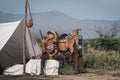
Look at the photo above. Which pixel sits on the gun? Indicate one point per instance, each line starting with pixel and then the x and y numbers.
pixel 41 34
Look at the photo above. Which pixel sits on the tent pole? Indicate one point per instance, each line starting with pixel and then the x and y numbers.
pixel 24 37
pixel 24 49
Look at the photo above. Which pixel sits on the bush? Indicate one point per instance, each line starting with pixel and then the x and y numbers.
pixel 68 69
pixel 106 43
pixel 89 61
pixel 103 60
pixel 100 61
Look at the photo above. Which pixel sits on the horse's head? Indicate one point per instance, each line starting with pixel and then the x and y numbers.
pixel 75 34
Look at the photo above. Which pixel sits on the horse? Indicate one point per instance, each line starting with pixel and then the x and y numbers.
pixel 71 45
pixel 68 44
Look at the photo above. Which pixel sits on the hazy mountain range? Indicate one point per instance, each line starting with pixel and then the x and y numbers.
pixel 60 22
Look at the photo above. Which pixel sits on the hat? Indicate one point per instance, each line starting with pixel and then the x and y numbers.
pixel 52 32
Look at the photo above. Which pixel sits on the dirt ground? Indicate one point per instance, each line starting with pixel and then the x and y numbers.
pixel 86 76
pixel 90 75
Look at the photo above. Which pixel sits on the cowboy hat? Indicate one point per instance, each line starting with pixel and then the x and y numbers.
pixel 52 32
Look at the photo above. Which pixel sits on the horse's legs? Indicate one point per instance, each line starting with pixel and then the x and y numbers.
pixel 81 63
pixel 75 61
pixel 71 48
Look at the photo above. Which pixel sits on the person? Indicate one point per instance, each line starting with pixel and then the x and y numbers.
pixel 49 48
pixel 80 58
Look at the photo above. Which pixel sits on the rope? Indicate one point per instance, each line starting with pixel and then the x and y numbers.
pixel 30 11
pixel 27 7
pixel 26 10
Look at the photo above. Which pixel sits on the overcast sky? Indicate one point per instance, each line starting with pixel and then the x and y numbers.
pixel 81 9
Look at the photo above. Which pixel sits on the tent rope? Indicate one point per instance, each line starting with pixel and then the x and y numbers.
pixel 27 8
pixel 29 23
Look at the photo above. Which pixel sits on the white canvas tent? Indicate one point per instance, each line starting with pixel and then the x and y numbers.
pixel 11 43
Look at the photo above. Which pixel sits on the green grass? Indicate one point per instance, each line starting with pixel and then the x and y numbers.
pixel 68 69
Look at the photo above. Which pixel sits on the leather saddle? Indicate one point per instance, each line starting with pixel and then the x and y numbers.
pixel 62 38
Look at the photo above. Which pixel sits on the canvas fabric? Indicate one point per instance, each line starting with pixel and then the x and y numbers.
pixel 11 43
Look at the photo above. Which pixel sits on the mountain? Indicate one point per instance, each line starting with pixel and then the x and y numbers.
pixel 7 17
pixel 60 22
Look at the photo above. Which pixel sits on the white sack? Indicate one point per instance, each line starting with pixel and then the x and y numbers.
pixel 51 67
pixel 33 67
pixel 14 70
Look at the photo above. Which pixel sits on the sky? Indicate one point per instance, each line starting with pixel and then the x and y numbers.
pixel 80 9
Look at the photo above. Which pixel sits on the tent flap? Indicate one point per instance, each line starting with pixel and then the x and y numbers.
pixel 11 43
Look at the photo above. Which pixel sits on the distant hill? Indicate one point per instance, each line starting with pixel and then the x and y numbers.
pixel 7 17
pixel 60 22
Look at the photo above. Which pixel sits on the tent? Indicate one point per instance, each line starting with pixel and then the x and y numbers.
pixel 11 43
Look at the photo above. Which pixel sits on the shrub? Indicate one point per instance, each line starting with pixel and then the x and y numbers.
pixel 68 69
pixel 89 61
pixel 106 43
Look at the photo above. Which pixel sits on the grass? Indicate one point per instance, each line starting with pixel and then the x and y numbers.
pixel 116 74
pixel 68 69
pixel 102 59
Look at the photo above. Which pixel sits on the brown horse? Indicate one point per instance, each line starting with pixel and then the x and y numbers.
pixel 69 43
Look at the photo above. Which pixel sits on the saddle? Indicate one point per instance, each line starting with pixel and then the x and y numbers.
pixel 62 38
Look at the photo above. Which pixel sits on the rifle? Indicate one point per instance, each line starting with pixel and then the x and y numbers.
pixel 41 34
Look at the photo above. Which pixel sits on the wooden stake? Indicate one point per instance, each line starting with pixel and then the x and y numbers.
pixel 24 49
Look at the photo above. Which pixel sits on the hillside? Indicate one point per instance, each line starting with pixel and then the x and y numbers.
pixel 60 22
